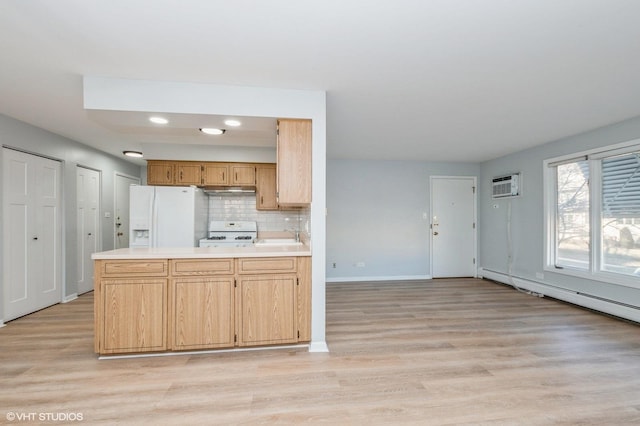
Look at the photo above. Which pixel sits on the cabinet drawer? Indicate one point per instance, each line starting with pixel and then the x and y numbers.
pixel 266 265
pixel 196 267
pixel 135 268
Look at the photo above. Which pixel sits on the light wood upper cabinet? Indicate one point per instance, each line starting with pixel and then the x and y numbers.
pixel 187 173
pixel 243 174
pixel 159 172
pixel 225 174
pixel 182 173
pixel 294 162
pixel 266 187
pixel 215 174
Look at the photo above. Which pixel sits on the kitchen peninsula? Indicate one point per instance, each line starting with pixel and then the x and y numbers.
pixel 150 300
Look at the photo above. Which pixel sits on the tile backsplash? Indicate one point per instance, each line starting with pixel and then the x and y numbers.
pixel 231 207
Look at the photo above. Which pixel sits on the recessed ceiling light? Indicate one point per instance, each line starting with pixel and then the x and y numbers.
pixel 135 154
pixel 232 123
pixel 158 120
pixel 211 131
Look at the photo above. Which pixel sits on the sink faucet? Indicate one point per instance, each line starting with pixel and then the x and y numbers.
pixel 296 234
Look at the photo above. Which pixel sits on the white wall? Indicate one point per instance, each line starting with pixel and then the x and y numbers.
pixel 375 216
pixel 19 135
pixel 528 216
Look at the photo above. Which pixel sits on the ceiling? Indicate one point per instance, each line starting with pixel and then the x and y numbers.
pixel 434 80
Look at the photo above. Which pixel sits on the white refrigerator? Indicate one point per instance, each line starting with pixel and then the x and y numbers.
pixel 167 216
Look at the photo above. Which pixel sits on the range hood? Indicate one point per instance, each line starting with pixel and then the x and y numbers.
pixel 220 190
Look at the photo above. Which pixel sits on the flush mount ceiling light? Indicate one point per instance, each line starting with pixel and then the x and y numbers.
pixel 212 131
pixel 232 123
pixel 134 154
pixel 158 120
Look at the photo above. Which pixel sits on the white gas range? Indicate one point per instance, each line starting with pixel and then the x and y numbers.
pixel 230 234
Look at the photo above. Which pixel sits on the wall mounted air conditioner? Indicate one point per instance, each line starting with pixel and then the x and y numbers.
pixel 506 186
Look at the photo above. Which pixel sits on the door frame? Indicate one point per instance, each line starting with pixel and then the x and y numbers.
pixel 474 179
pixel 99 227
pixel 115 201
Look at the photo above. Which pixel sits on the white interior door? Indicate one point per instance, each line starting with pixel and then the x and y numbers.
pixel 453 227
pixel 88 216
pixel 121 210
pixel 32 234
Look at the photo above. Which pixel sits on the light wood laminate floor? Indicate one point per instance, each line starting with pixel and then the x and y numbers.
pixel 441 352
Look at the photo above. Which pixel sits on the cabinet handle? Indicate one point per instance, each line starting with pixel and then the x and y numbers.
pixel 35 238
pixel 222 175
pixel 168 175
pixel 180 174
pixel 261 200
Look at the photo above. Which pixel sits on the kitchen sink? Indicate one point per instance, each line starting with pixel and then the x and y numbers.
pixel 277 242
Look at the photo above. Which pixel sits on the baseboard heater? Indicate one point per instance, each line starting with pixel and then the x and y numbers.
pixel 596 303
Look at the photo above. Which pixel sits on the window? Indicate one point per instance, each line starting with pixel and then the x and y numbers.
pixel 593 214
pixel 620 209
pixel 573 235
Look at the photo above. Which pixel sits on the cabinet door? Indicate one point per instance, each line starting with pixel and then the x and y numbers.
pixel 216 174
pixel 188 174
pixel 267 306
pixel 243 174
pixel 266 187
pixel 159 173
pixel 294 162
pixel 202 313
pixel 134 315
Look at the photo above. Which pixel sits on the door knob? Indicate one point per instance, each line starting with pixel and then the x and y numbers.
pixel 435 233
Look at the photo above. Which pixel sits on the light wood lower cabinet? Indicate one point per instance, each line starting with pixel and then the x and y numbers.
pixel 267 310
pixel 134 315
pixel 191 304
pixel 203 313
pixel 202 304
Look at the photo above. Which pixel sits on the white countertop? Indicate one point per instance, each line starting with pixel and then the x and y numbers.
pixel 203 252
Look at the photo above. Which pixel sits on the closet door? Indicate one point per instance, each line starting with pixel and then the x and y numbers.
pixel 32 266
pixel 88 216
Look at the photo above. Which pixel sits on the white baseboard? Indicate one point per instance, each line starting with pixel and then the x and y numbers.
pixel 580 299
pixel 378 278
pixel 70 298
pixel 318 347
